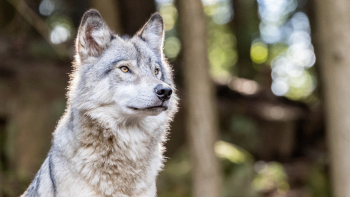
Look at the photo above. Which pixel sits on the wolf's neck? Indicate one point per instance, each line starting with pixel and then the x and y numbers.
pixel 106 137
pixel 113 157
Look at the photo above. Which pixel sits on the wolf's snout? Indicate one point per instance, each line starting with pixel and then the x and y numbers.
pixel 163 92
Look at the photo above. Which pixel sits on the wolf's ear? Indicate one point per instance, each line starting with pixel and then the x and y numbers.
pixel 94 35
pixel 153 32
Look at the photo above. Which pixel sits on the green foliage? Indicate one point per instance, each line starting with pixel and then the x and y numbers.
pixel 245 132
pixel 242 176
pixel 172 44
pixel 318 182
pixel 221 51
pixel 222 42
pixel 175 179
pixel 270 176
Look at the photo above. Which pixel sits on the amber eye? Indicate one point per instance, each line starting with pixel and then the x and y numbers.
pixel 124 69
pixel 156 71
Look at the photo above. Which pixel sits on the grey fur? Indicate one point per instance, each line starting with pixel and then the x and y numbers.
pixel 110 140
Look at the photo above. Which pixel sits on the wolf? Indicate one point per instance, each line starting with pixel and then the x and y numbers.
pixel 121 99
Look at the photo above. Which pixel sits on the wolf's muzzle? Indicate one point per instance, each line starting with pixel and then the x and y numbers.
pixel 163 93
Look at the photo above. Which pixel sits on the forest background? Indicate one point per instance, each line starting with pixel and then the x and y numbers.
pixel 260 115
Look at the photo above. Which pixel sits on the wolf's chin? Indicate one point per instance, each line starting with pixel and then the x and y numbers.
pixel 148 111
pixel 150 108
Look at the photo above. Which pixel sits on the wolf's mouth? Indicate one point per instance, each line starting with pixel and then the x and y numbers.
pixel 150 108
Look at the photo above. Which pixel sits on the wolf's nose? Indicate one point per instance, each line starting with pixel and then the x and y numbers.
pixel 162 92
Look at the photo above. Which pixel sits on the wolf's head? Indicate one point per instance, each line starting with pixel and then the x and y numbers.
pixel 117 76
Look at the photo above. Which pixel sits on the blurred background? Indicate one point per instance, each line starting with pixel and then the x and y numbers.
pixel 260 129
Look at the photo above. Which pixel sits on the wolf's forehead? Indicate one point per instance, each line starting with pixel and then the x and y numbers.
pixel 132 49
pixel 120 50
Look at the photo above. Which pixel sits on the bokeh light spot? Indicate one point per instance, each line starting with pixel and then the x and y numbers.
pixel 172 47
pixel 222 15
pixel 60 33
pixel 279 87
pixel 169 14
pixel 230 152
pixel 46 7
pixel 259 52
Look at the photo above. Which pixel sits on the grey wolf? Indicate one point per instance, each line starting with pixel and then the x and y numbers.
pixel 121 100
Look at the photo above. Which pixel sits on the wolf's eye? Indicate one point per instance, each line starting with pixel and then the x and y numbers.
pixel 156 71
pixel 124 69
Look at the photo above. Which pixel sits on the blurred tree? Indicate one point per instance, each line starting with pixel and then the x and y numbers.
pixel 135 13
pixel 6 13
pixel 333 37
pixel 39 24
pixel 202 124
pixel 110 13
pixel 245 24
pixel 76 9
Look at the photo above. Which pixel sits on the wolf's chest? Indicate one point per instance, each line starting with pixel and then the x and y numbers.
pixel 113 166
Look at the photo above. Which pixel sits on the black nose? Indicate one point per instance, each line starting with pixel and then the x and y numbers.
pixel 163 92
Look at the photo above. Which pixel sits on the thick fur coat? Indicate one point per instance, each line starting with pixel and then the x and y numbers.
pixel 121 100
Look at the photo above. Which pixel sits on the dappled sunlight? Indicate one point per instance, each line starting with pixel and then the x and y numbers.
pixel 221 44
pixel 259 51
pixel 270 176
pixel 47 7
pixel 284 43
pixel 266 177
pixel 174 180
pixel 172 47
pixel 244 86
pixel 220 10
pixel 61 26
pixel 60 33
pixel 274 14
pixel 169 14
pixel 290 67
pixel 222 54
pixel 230 152
pixel 164 1
pixel 172 44
pixel 276 113
pixel 222 15
pixel 279 86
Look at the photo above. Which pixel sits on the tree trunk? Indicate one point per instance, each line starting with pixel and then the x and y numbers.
pixel 110 13
pixel 333 27
pixel 245 24
pixel 6 13
pixel 202 126
pixel 135 14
